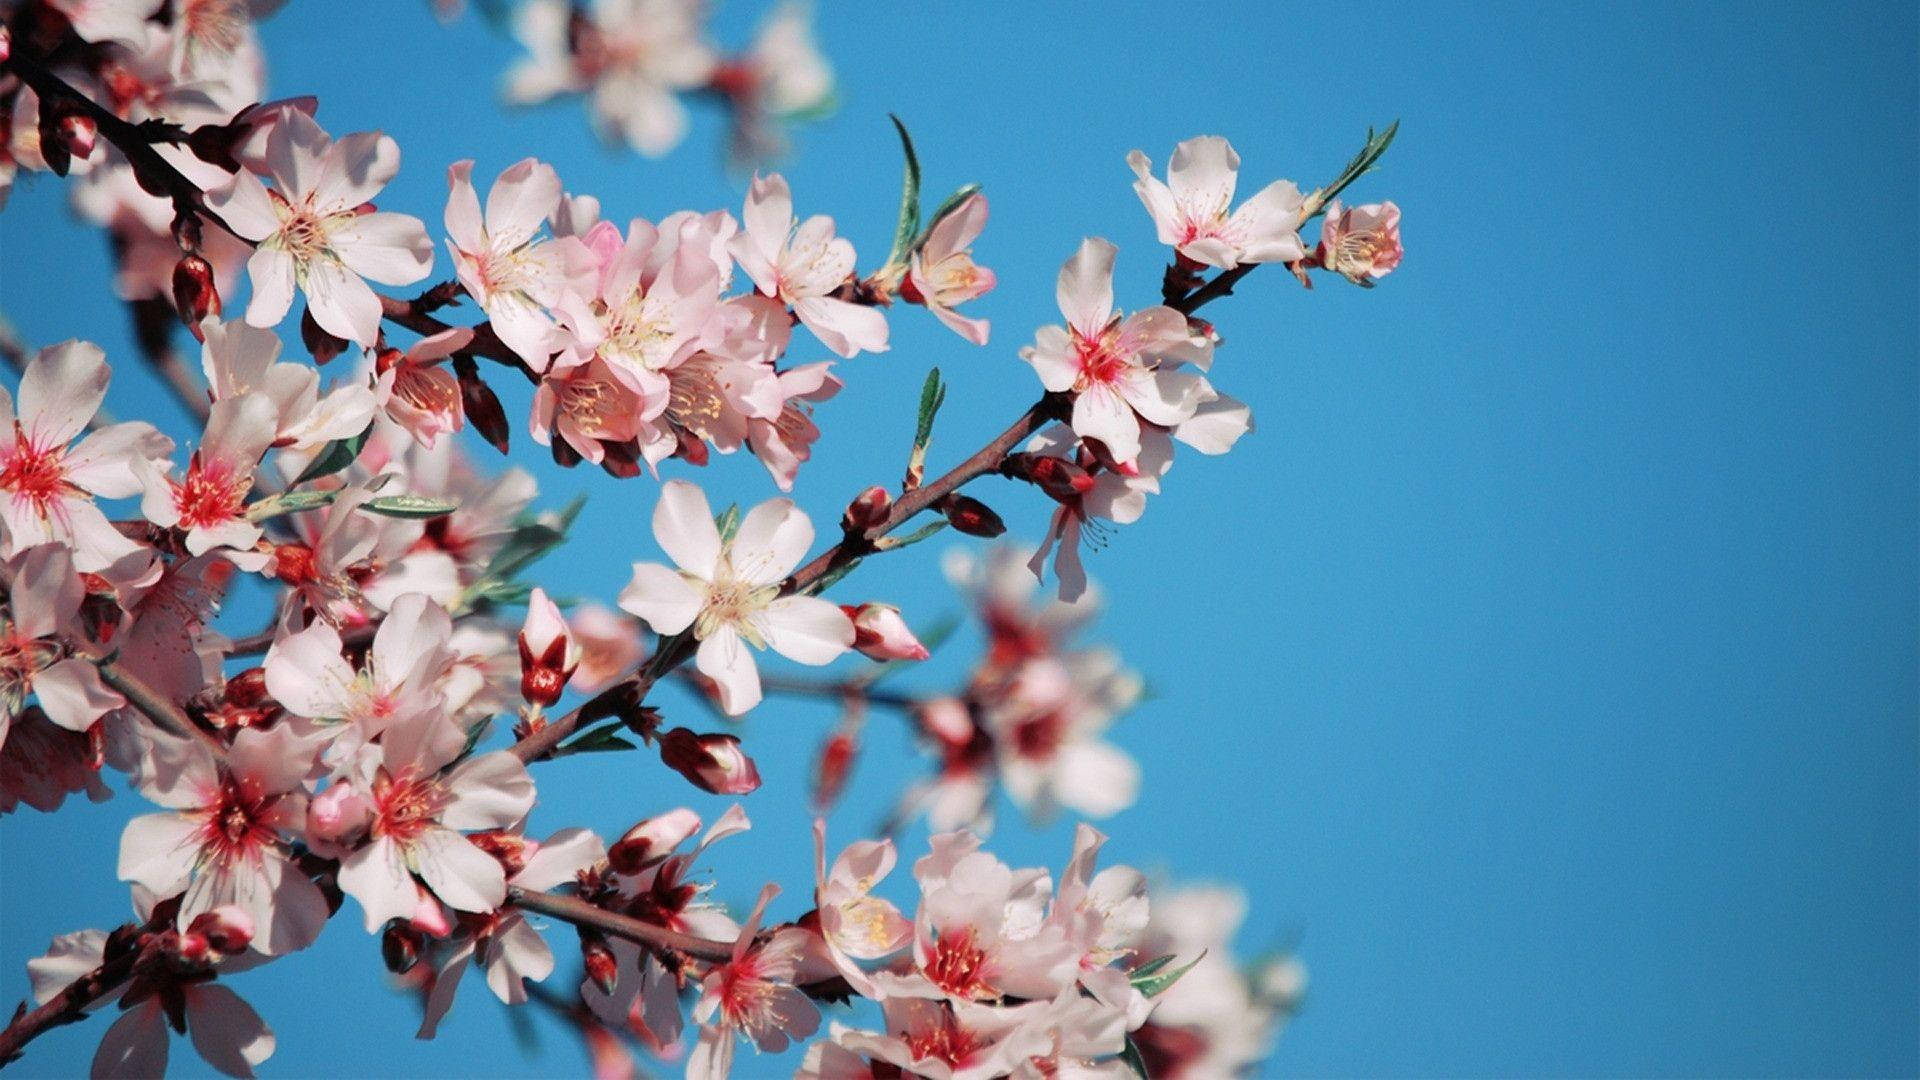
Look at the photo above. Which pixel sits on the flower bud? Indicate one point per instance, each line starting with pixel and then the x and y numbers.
pixel 713 762
pixel 652 839
pixel 79 134
pixel 400 946
pixel 227 928
pixel 834 766
pixel 6 44
pixel 195 296
pixel 337 814
pixel 597 957
pixel 481 404
pixel 971 516
pixel 191 946
pixel 1061 479
pixel 547 652
pixel 880 632
pixel 868 509
pixel 293 564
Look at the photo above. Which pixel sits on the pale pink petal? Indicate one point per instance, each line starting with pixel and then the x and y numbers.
pixel 1157 197
pixel 1095 778
pixel 842 326
pixel 662 597
pixel 245 206
pixel 1085 288
pixel 1268 224
pixel 157 852
pixel 1203 173
pixel 773 538
pixel 489 791
pixel 339 301
pixel 393 249
pixel 306 673
pixel 560 857
pixel 519 201
pixel 1216 425
pixel 725 658
pixel 271 272
pixel 806 629
pixel 226 1031
pixel 460 874
pixel 515 954
pixel 1101 413
pixel 60 391
pixel 683 524
pixel 46 592
pixel 974 330
pixel 135 1047
pixel 105 463
pixel 463 220
pixel 68 957
pixel 376 875
pixel 353 170
pixel 73 695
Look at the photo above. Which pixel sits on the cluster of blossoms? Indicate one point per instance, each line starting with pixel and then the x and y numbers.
pixel 636 60
pixel 373 740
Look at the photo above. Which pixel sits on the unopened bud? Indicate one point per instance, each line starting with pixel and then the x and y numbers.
pixel 713 762
pixel 868 509
pixel 400 947
pixel 481 404
pixel 78 133
pixel 652 839
pixel 971 516
pixel 597 957
pixel 227 928
pixel 248 688
pixel 880 632
pixel 337 814
pixel 195 295
pixel 191 946
pixel 6 44
pixel 548 654
pixel 293 564
pixel 1061 479
pixel 831 771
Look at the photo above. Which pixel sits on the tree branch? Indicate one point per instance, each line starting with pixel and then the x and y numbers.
pixel 66 1007
pixel 574 910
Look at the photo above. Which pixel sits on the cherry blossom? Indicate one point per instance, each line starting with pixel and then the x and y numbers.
pixel 854 923
pixel 1360 243
pixel 752 994
pixel 942 274
pixel 418 813
pixel 1047 725
pixel 209 503
pixel 397 686
pixel 802 265
pixel 238 359
pixel 224 839
pixel 509 272
pixel 313 234
pixel 1191 209
pixel 47 488
pixel 1115 367
pixel 631 56
pixel 728 593
pixel 43 602
pixel 417 392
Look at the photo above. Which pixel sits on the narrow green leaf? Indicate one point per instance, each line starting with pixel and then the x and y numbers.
pixel 831 578
pixel 596 740
pixel 728 523
pixel 290 502
pixel 1131 1055
pixel 410 506
pixel 892 543
pixel 1151 966
pixel 933 393
pixel 1157 982
pixel 909 227
pixel 337 455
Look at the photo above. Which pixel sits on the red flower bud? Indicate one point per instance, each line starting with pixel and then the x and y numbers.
pixel 713 762
pixel 226 928
pixel 831 771
pixel 880 632
pixel 510 850
pixel 195 296
pixel 293 564
pixel 79 134
pixel 1062 480
pixel 868 509
pixel 248 688
pixel 482 406
pixel 400 946
pixel 971 516
pixel 597 956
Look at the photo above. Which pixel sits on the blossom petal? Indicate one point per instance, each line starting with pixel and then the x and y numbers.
pixel 845 327
pixel 725 658
pixel 460 874
pixel 60 391
pixel 489 791
pixel 662 597
pixel 376 875
pixel 271 272
pixel 226 1031
pixel 353 170
pixel 340 302
pixel 306 673
pixel 157 852
pixel 683 524
pixel 773 538
pixel 73 695
pixel 390 248
pixel 519 201
pixel 135 1046
pixel 1085 288
pixel 806 629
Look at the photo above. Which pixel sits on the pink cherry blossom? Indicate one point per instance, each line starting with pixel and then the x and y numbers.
pixel 1047 727
pixel 631 56
pixel 943 275
pixel 1191 209
pixel 785 442
pixel 47 488
pixel 1121 372
pixel 417 819
pixel 397 685
pixel 854 923
pixel 1216 1020
pixel 935 1039
pixel 417 392
pixel 729 593
pixel 209 503
pixel 224 839
pixel 1360 243
pixel 593 405
pixel 512 274
pixel 752 994
pixel 802 265
pixel 781 76
pixel 44 602
pixel 238 359
pixel 312 233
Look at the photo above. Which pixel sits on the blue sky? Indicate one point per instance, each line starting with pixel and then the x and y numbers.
pixel 1546 663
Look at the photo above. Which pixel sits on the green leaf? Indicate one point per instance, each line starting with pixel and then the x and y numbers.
pixel 596 740
pixel 1131 1055
pixel 892 543
pixel 933 393
pixel 728 523
pixel 1154 977
pixel 497 592
pixel 1362 164
pixel 908 229
pixel 337 455
pixel 831 578
pixel 410 506
pixel 290 502
pixel 533 536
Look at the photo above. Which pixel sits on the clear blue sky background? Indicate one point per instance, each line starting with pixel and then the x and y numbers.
pixel 1545 664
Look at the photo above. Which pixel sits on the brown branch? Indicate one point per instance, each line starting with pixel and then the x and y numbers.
pixel 67 1006
pixel 574 910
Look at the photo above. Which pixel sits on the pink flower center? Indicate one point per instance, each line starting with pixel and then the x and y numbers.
pixel 1040 736
pixel 1102 360
pixel 237 823
pixel 406 806
pixel 588 402
pixel 20 657
pixel 948 1042
pixel 746 999
pixel 959 965
pixel 303 231
pixel 218 23
pixel 36 475
pixel 213 493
